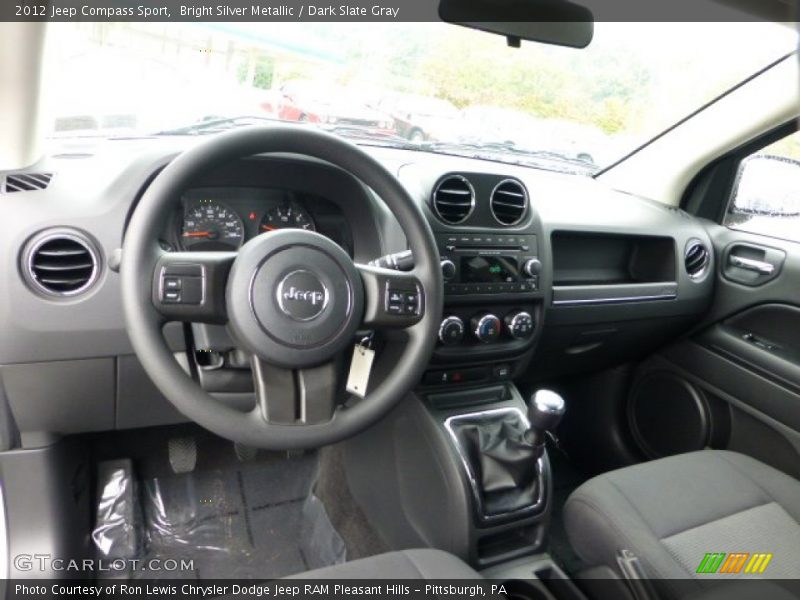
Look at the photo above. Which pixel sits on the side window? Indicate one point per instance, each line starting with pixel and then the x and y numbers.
pixel 766 194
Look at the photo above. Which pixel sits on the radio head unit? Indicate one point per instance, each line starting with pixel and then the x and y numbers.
pixel 489 264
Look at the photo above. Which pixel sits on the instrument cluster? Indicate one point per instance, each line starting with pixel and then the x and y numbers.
pixel 223 219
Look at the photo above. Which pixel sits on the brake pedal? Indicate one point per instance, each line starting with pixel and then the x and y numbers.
pixel 182 454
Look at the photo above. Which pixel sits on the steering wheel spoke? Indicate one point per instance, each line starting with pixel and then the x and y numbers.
pixel 393 299
pixel 190 286
pixel 295 396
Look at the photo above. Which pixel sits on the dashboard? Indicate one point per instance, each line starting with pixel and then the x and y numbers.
pixel 546 274
pixel 224 218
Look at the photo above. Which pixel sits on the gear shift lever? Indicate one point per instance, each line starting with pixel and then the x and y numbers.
pixel 545 409
pixel 502 451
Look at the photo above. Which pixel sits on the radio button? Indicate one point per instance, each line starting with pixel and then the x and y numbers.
pixel 448 269
pixel 532 267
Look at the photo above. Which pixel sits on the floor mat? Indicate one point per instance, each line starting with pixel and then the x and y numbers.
pixel 245 521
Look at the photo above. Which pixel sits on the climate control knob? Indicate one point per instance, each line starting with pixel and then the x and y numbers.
pixel 448 269
pixel 451 331
pixel 532 267
pixel 486 327
pixel 519 324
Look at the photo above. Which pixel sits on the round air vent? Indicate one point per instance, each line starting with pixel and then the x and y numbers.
pixel 696 259
pixel 509 202
pixel 61 263
pixel 454 199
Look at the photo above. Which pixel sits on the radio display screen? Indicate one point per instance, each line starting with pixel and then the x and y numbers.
pixel 489 269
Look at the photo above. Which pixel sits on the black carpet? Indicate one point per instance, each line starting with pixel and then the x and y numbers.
pixel 254 519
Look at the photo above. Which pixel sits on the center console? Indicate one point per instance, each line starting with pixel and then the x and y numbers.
pixel 464 470
pixel 462 465
pixel 492 306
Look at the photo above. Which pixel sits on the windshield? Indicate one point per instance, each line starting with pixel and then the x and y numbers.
pixel 431 87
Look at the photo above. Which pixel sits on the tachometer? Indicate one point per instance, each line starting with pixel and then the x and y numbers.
pixel 210 225
pixel 284 216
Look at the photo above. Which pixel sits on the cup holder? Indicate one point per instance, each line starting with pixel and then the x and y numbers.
pixel 520 589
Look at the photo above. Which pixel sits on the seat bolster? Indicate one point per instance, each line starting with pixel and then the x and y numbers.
pixel 424 563
pixel 600 521
pixel 780 487
pixel 666 511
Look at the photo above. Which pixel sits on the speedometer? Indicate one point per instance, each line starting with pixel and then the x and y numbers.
pixel 210 225
pixel 290 215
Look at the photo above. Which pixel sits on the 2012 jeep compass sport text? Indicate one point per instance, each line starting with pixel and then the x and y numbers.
pixel 463 298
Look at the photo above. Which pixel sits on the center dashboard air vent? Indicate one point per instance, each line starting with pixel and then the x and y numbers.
pixel 696 259
pixel 61 263
pixel 454 199
pixel 508 202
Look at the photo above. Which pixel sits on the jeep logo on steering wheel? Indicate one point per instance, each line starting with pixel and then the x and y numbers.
pixel 302 296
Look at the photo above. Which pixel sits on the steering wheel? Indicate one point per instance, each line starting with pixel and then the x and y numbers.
pixel 292 299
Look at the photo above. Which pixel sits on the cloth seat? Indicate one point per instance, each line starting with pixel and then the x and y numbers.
pixel 405 564
pixel 673 511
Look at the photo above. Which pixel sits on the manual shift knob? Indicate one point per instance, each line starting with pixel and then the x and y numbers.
pixel 545 409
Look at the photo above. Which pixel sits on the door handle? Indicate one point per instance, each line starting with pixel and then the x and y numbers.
pixel 759 266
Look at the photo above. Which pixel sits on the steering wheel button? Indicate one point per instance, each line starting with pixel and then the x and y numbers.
pixel 395 297
pixel 172 283
pixel 410 309
pixel 395 309
pixel 411 299
pixel 171 296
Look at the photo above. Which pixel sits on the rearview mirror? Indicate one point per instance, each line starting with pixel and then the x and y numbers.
pixel 768 186
pixel 558 22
